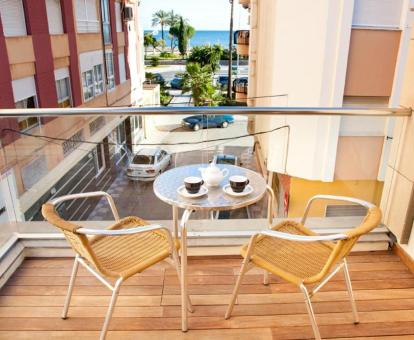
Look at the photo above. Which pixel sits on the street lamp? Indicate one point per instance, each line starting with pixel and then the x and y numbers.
pixel 229 87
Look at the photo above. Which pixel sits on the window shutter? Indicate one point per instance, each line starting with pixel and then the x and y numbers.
pixel 54 16
pixel 80 10
pixel 91 10
pixel 122 72
pixel 12 17
pixel 118 17
pixel 24 88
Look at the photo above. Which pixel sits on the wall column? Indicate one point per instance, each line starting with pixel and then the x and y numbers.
pixel 74 69
pixel 37 27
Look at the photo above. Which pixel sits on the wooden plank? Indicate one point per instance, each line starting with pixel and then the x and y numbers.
pixel 353 267
pixel 136 280
pixel 222 334
pixel 373 330
pixel 83 311
pixel 292 308
pixel 29 271
pixel 79 301
pixel 253 299
pixel 240 322
pixel 355 276
pixel 282 287
pixel 79 291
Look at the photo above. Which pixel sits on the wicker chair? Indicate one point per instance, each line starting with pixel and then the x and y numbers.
pixel 120 251
pixel 304 258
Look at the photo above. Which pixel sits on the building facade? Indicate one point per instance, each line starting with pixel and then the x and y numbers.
pixel 66 53
pixel 332 54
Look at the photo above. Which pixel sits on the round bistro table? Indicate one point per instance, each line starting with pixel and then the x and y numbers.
pixel 165 188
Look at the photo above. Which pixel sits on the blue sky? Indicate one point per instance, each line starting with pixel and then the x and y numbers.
pixel 203 15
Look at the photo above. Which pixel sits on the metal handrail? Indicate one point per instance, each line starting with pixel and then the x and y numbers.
pixel 136 110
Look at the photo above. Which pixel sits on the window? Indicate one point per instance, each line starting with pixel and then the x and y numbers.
pixel 63 92
pixel 26 123
pixel 106 22
pixel 122 71
pixel 54 16
pixel 110 69
pixel 86 16
pixel 377 13
pixel 98 80
pixel 92 70
pixel 92 82
pixel 118 16
pixel 87 83
pixel 12 18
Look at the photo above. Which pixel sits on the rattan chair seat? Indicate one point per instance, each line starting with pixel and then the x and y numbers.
pixel 293 261
pixel 128 255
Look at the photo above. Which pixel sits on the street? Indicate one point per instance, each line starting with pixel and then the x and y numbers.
pixel 135 197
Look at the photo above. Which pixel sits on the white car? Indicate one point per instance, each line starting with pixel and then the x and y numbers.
pixel 147 164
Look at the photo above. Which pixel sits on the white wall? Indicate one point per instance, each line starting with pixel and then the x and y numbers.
pixel 300 48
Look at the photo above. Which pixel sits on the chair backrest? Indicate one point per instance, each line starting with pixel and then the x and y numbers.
pixel 79 242
pixel 343 247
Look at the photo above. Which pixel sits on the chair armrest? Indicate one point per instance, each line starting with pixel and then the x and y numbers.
pixel 89 195
pixel 120 232
pixel 302 238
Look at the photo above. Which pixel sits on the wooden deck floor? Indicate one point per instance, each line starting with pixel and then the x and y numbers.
pixel 148 306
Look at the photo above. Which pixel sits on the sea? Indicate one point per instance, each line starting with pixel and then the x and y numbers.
pixel 200 38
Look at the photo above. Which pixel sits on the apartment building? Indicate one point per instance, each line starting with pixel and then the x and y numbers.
pixel 66 53
pixel 333 54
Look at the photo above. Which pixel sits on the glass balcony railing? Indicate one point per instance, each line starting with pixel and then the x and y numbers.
pixel 82 150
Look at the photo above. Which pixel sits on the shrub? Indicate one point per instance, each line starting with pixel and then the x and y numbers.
pixel 155 61
pixel 168 55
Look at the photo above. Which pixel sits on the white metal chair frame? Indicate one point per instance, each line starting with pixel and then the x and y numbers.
pixel 172 260
pixel 247 264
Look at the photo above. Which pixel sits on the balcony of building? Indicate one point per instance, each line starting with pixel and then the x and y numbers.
pixel 240 88
pixel 38 166
pixel 241 39
pixel 245 3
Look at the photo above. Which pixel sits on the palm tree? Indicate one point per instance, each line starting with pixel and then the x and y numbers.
pixel 189 32
pixel 173 22
pixel 173 18
pixel 199 81
pixel 160 18
pixel 207 55
pixel 149 40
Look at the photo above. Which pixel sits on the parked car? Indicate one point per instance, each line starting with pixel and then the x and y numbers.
pixel 177 83
pixel 223 81
pixel 147 164
pixel 154 78
pixel 207 121
pixel 225 159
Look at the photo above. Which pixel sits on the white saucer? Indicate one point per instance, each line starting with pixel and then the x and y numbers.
pixel 183 192
pixel 229 191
